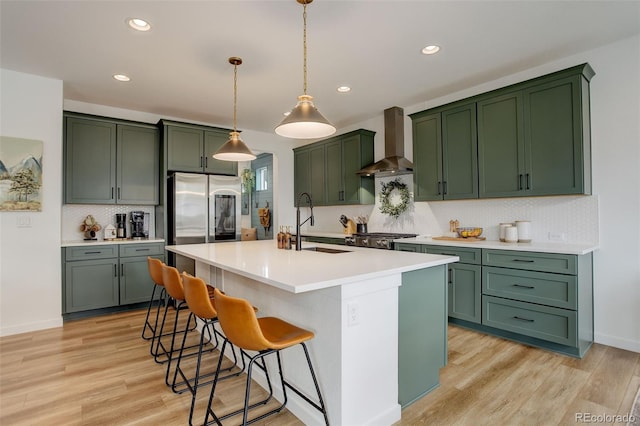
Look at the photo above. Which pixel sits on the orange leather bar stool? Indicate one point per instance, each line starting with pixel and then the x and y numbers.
pixel 266 336
pixel 173 285
pixel 155 271
pixel 201 305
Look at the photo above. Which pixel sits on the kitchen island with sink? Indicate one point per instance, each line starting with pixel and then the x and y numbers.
pixel 379 318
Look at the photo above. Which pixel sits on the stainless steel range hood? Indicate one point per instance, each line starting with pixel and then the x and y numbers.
pixel 394 162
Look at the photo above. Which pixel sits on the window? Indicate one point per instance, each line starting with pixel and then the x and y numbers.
pixel 262 177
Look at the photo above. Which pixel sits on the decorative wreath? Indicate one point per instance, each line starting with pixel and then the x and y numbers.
pixel 386 207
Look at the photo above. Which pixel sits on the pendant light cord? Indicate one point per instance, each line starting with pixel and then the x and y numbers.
pixel 304 43
pixel 235 95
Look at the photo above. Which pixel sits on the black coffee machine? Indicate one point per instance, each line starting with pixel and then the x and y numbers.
pixel 121 225
pixel 137 225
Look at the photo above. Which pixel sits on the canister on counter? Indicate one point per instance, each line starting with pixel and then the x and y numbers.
pixel 503 230
pixel 524 231
pixel 511 234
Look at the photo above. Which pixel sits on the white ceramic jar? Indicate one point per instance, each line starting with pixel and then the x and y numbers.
pixel 524 231
pixel 503 229
pixel 511 234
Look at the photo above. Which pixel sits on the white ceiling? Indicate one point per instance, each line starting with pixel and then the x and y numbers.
pixel 180 69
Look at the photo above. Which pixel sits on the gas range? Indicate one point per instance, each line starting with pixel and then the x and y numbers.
pixel 380 240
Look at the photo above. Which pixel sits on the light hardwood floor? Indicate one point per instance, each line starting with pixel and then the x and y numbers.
pixel 98 371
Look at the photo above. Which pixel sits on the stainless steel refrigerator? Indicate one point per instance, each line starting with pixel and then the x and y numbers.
pixel 202 209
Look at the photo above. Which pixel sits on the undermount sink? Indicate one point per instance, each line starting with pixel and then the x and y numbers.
pixel 326 250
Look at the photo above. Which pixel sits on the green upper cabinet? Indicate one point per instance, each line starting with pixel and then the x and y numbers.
pixel 213 140
pixel 327 169
pixel 190 148
pixel 536 140
pixel 110 162
pixel 138 153
pixel 527 139
pixel 501 146
pixel 445 154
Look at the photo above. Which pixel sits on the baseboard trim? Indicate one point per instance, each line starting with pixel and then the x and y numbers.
pixel 32 326
pixel 617 342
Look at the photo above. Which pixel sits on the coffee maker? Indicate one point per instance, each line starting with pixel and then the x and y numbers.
pixel 137 225
pixel 121 225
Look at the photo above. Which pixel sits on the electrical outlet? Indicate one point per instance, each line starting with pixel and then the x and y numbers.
pixel 353 314
pixel 557 236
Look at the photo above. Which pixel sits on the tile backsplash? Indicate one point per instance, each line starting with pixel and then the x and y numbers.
pixel 570 219
pixel 74 214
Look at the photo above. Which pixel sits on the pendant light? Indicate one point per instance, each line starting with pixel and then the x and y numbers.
pixel 234 149
pixel 305 121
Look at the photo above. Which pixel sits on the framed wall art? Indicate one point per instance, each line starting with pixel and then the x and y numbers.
pixel 20 174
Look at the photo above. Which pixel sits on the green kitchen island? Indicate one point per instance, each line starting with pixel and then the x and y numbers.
pixel 379 318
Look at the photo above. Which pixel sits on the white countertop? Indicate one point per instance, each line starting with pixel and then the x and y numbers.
pixel 534 246
pixel 302 271
pixel 76 243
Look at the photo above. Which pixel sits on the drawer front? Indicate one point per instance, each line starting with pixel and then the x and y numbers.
pixel 544 288
pixel 414 248
pixel 544 262
pixel 150 249
pixel 89 253
pixel 466 255
pixel 543 322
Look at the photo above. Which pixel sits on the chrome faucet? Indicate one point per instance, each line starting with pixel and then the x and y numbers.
pixel 298 224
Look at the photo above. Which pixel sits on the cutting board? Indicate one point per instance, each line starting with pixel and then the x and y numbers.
pixel 460 239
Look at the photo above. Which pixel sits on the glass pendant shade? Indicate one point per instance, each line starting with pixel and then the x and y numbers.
pixel 305 122
pixel 234 150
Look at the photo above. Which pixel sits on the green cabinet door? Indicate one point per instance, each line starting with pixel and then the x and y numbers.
pixel 138 169
pixel 212 142
pixel 427 157
pixel 501 146
pixel 334 173
pixel 91 284
pixel 459 153
pixel 89 161
pixel 185 147
pixel 135 283
pixel 357 151
pixel 317 176
pixel 555 145
pixel 465 292
pixel 301 173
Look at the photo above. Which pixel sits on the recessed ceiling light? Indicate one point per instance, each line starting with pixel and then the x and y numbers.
pixel 121 77
pixel 139 24
pixel 430 50
pixel 343 89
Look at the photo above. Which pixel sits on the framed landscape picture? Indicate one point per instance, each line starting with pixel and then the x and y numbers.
pixel 20 174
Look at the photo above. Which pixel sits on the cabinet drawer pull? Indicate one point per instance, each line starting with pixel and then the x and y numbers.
pixel 523 319
pixel 112 192
pixel 439 188
pixel 450 281
pixel 528 183
pixel 92 252
pixel 520 182
pixel 142 249
pixel 444 187
pixel 206 162
pixel 524 260
pixel 119 196
pixel 528 287
pixel 115 270
pixel 121 270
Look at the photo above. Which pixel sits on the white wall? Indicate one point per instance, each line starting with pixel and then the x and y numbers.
pixel 30 268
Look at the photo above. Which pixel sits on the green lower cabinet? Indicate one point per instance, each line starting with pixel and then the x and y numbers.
pixel 107 276
pixel 91 284
pixel 464 292
pixel 422 332
pixel 539 299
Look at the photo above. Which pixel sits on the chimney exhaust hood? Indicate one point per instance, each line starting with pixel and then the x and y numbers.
pixel 394 162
